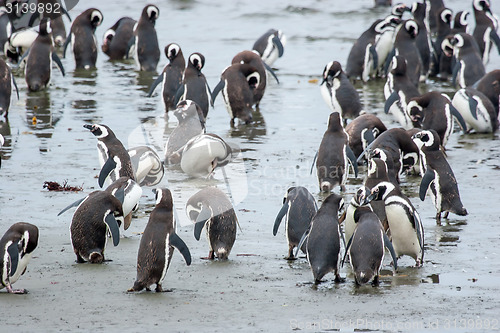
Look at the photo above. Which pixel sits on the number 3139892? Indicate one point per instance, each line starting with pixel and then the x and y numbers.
pixel 32 8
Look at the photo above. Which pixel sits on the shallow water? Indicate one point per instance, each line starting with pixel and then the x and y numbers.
pixel 256 289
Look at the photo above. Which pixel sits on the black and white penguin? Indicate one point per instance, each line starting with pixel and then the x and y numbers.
pixel 407 231
pixel 489 85
pixel 191 123
pixel 384 43
pixel 339 93
pixel 203 153
pixel 157 244
pixel 238 83
pixel 423 40
pixel 82 38
pixel 210 208
pixel 441 65
pixel 6 82
pixel 171 77
pixel 438 176
pixel 99 213
pixel 41 54
pixel 362 131
pixel 333 157
pixel 357 201
pixel 299 207
pixel 434 110
pixel 485 32
pixel 468 67
pixel 16 249
pixel 147 165
pixel 5 29
pixel 460 23
pixel 406 46
pixel 366 247
pixel 18 43
pixel 477 110
pixel 116 39
pixel 434 7
pixel 270 46
pixel 147 51
pixel 113 157
pixel 398 91
pixel 194 84
pixel 323 239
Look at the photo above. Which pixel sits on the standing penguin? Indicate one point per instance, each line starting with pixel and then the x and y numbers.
pixel 116 38
pixel 147 51
pixel 238 83
pixel 362 131
pixel 477 110
pixel 212 209
pixel 16 249
pixel 334 154
pixel 41 54
pixel 171 77
pixel 194 84
pixel 423 39
pixel 442 64
pixel 485 32
pixel 438 175
pixel 82 38
pixel 191 124
pixel 339 93
pixel 358 200
pixel 366 247
pixel 270 46
pixel 157 244
pixel 407 231
pixel 323 240
pixel 6 81
pixel 113 157
pixel 299 207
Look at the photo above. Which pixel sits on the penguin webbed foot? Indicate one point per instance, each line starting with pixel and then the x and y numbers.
pixel 211 256
pixel 159 289
pixel 438 218
pixel 16 291
pixel 290 258
pixel 339 279
pixel 375 281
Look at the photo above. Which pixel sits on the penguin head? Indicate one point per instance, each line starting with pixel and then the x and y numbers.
pixel 460 22
pixel 445 16
pixel 332 70
pixel 378 153
pixel 482 5
pixel 447 45
pixel 391 22
pixel 197 60
pixel 151 13
pixel 163 197
pixel 334 122
pixel 399 9
pixel 172 50
pixel 359 197
pixel 187 109
pixel 108 37
pixel 45 28
pixel 411 27
pixel 100 131
pixel 427 140
pixel 95 17
pixel 416 112
pixel 253 78
pixel 377 168
pixel 380 191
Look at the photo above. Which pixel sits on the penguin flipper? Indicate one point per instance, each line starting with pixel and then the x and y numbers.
pixel 459 117
pixel 217 89
pixel 472 106
pixel 58 62
pixel 156 82
pixel 209 91
pixel 314 161
pixel 130 43
pixel 302 240
pixel 393 98
pixel 113 228
pixel 364 152
pixel 13 251
pixel 388 245
pixel 427 179
pixel 65 12
pixel 454 74
pixel 74 204
pixel 279 45
pixel 368 136
pixel 120 195
pixel 374 54
pixel 66 43
pixel 495 38
pixel 25 55
pixel 419 228
pixel 109 166
pixel 352 159
pixel 179 244
pixel 270 70
pixel 388 60
pixel 348 246
pixel 281 213
pixel 204 215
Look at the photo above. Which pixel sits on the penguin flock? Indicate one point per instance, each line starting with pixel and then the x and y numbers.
pixel 402 51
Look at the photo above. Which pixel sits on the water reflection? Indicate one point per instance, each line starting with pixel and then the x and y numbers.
pixel 253 132
pixel 85 77
pixel 6 149
pixel 39 115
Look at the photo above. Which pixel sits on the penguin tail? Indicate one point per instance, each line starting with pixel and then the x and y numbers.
pixel 222 253
pixel 326 186
pixel 96 257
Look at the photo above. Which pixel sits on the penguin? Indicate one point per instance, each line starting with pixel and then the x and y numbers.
pixel 407 231
pixel 460 23
pixel 438 176
pixel 203 153
pixel 147 51
pixel 485 32
pixel 398 90
pixel 299 207
pixel 468 67
pixel 6 83
pixel 423 40
pixel 211 209
pixel 147 165
pixel 5 29
pixel 323 240
pixel 16 249
pixel 171 77
pixel 41 54
pixel 82 38
pixel 19 42
pixel 99 213
pixel 477 110
pixel 441 65
pixel 238 83
pixel 434 110
pixel 194 84
pixel 157 244
pixel 362 131
pixel 270 46
pixel 191 123
pixel 434 7
pixel 253 59
pixel 357 201
pixel 339 93
pixel 113 157
pixel 366 247
pixel 333 156
pixel 384 43
pixel 489 85
pixel 116 39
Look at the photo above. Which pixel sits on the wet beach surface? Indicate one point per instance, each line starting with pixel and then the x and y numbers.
pixel 256 290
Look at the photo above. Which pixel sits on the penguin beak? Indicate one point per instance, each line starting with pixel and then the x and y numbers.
pixel 370 198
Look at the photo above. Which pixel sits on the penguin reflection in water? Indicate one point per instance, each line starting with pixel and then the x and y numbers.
pixel 157 244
